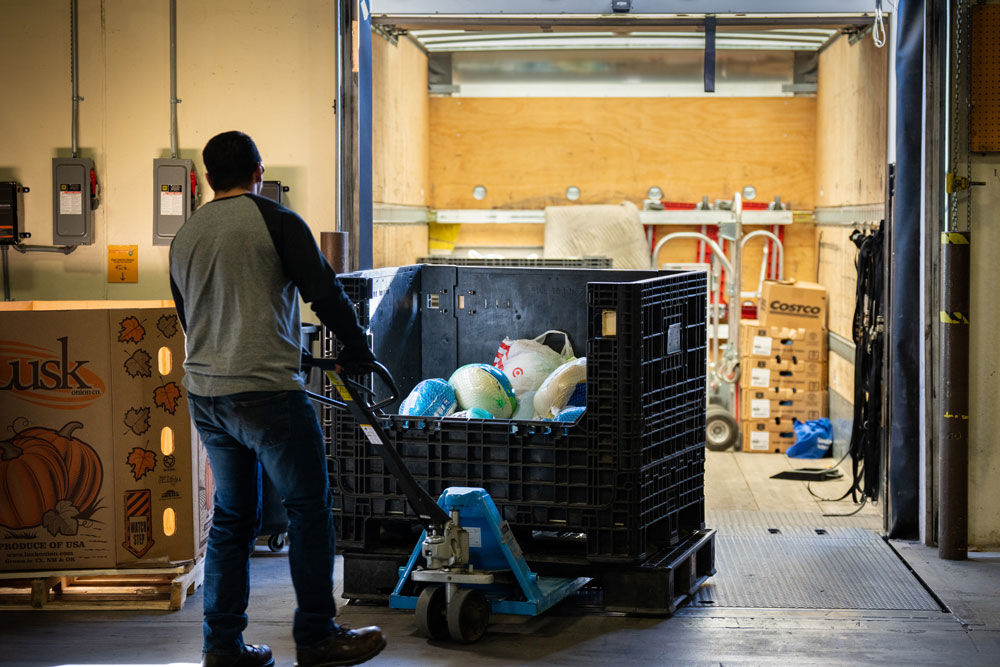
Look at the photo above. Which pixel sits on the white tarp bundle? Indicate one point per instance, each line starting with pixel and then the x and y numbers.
pixel 599 230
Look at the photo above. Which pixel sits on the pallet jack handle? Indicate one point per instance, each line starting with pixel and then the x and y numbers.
pixel 433 518
pixel 330 366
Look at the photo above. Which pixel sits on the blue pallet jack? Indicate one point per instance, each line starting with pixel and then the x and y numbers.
pixel 467 563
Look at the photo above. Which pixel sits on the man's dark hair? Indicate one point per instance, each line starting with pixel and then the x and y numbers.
pixel 230 159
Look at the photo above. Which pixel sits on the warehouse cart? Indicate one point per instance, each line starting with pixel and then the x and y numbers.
pixel 473 564
pixel 721 426
pixel 617 496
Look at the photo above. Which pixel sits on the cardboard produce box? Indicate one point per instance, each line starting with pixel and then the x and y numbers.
pixel 785 374
pixel 792 304
pixel 803 343
pixel 767 436
pixel 768 403
pixel 98 465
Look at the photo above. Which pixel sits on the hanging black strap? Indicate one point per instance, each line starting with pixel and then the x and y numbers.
pixel 866 438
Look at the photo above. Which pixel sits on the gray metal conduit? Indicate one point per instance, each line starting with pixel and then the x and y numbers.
pixel 74 75
pixel 173 79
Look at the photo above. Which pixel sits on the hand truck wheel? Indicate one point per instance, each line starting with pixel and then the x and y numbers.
pixel 721 430
pixel 468 615
pixel 432 606
pixel 276 542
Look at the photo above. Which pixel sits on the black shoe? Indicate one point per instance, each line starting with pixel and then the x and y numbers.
pixel 252 656
pixel 344 647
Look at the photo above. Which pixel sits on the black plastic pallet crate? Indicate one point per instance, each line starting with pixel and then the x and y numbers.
pixel 626 480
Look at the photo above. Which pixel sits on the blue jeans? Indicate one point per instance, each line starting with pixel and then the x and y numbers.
pixel 279 430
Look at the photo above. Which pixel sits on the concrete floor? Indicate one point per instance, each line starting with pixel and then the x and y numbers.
pixel 969 634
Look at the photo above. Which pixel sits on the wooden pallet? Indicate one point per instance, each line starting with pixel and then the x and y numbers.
pixel 164 588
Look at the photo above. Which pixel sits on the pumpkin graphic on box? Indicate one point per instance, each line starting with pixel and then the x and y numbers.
pixel 43 470
pixel 84 473
pixel 32 480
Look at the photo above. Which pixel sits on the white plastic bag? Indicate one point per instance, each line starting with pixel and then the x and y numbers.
pixel 525 407
pixel 552 396
pixel 528 361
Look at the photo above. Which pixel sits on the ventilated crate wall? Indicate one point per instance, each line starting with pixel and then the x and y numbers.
pixel 629 475
pixel 646 395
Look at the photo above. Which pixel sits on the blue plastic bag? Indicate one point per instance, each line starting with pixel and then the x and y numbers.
pixel 579 396
pixel 571 414
pixel 430 398
pixel 813 439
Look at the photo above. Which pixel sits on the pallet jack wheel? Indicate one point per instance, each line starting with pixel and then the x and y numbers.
pixel 276 542
pixel 721 431
pixel 432 607
pixel 468 616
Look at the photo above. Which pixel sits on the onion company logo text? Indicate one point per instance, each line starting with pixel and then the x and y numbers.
pixel 47 377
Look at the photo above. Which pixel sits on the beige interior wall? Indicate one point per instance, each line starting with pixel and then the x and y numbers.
pixel 984 315
pixel 265 68
pixel 35 121
pixel 984 356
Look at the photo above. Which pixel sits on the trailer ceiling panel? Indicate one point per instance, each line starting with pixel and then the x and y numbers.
pixel 809 39
pixel 534 14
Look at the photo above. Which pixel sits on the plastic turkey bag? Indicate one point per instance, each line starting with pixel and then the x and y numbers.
pixel 554 393
pixel 528 361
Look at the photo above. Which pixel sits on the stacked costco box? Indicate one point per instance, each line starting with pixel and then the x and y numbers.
pixel 784 365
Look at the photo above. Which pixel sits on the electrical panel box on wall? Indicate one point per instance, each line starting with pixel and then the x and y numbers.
pixel 72 190
pixel 173 197
pixel 11 212
pixel 273 190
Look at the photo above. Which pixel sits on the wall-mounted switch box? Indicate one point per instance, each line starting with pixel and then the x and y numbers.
pixel 11 212
pixel 72 190
pixel 273 190
pixel 173 197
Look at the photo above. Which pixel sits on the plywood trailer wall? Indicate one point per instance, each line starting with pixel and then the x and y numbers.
pixel 850 159
pixel 400 129
pixel 837 271
pixel 400 146
pixel 851 124
pixel 527 151
pixel 850 171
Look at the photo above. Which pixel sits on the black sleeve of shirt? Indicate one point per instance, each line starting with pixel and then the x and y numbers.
pixel 312 275
pixel 178 303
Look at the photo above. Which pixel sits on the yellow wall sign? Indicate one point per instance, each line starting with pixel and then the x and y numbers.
pixel 123 263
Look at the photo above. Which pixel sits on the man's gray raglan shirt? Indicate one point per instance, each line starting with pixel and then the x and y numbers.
pixel 237 268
